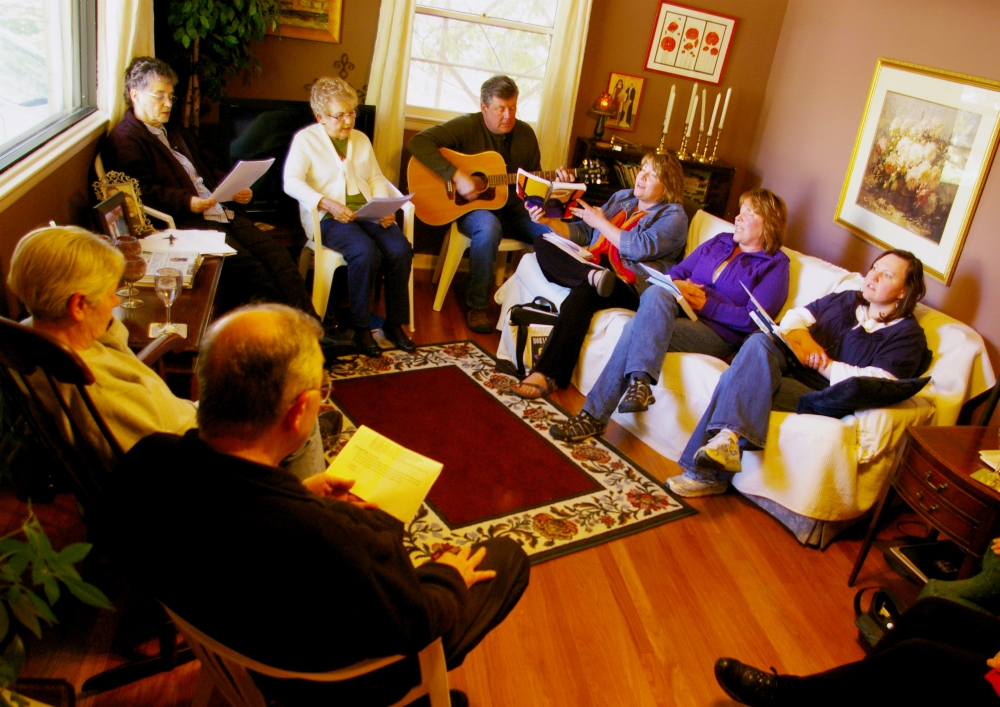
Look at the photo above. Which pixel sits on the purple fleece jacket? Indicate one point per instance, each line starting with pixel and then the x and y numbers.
pixel 727 307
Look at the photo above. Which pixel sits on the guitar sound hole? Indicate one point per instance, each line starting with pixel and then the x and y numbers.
pixel 487 195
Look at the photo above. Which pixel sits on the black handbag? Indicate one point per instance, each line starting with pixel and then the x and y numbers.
pixel 881 616
pixel 521 316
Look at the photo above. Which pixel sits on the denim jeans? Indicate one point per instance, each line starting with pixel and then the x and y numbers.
pixel 308 459
pixel 742 402
pixel 486 229
pixel 657 327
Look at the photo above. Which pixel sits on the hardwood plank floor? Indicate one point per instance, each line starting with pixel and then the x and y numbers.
pixel 635 622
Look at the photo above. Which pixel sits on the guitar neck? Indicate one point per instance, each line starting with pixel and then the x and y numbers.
pixel 497 180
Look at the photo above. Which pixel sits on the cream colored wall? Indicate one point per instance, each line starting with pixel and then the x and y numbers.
pixel 812 107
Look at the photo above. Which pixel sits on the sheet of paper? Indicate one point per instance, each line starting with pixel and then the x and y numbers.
pixel 386 473
pixel 990 457
pixel 243 176
pixel 381 206
pixel 204 242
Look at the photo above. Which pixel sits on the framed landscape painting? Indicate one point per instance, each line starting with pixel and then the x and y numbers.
pixel 625 93
pixel 921 157
pixel 689 42
pixel 318 20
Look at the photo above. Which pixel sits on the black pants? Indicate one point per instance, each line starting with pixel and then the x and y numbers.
pixel 262 270
pixel 563 347
pixel 936 655
pixel 488 605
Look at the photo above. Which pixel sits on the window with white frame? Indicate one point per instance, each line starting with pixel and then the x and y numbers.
pixel 47 71
pixel 458 44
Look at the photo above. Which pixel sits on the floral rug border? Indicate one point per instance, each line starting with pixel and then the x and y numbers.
pixel 629 499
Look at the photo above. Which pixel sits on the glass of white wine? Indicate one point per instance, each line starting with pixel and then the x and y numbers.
pixel 168 285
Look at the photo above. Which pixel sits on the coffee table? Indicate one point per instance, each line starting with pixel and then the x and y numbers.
pixel 193 307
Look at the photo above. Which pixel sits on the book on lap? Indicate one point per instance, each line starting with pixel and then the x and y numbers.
pixel 666 282
pixel 570 248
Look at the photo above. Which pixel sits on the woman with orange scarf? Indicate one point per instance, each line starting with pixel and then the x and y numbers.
pixel 645 224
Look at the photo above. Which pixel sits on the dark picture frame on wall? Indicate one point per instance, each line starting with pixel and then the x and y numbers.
pixel 689 42
pixel 626 92
pixel 112 217
pixel 924 148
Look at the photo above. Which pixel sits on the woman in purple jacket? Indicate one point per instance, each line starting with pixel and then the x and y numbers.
pixel 711 279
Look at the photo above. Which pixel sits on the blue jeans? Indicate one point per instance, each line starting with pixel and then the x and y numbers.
pixel 486 229
pixel 308 459
pixel 367 246
pixel 742 402
pixel 657 327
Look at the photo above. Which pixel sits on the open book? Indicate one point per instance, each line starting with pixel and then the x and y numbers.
pixel 555 198
pixel 767 325
pixel 570 248
pixel 386 473
pixel 663 280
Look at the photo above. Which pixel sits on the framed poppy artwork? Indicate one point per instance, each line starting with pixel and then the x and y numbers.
pixel 923 151
pixel 689 42
pixel 625 93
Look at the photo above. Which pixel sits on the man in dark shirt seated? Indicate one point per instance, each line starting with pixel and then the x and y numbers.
pixel 494 129
pixel 237 547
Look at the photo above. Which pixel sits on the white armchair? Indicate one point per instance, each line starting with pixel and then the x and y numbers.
pixel 325 260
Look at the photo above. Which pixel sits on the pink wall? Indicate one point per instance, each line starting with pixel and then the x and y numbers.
pixel 812 107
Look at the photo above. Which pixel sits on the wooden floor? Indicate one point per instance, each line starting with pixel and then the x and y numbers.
pixel 638 621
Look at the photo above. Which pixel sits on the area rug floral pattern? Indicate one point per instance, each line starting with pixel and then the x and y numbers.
pixel 629 499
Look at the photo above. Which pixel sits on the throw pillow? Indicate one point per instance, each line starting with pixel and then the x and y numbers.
pixel 859 393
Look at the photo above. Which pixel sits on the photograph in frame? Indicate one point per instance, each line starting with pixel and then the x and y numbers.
pixel 626 92
pixel 111 217
pixel 116 182
pixel 318 20
pixel 924 148
pixel 689 42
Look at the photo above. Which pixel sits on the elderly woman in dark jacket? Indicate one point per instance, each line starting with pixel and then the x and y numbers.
pixel 645 224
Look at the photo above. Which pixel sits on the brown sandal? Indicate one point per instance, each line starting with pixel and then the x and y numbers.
pixel 549 388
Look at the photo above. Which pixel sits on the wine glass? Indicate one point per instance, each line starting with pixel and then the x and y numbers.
pixel 128 245
pixel 135 268
pixel 168 285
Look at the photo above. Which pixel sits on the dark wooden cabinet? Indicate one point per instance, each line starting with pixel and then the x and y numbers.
pixel 706 184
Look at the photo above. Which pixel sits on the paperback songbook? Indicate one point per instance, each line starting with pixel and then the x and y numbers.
pixel 555 198
pixel 187 262
pixel 769 327
pixel 663 280
pixel 386 473
pixel 571 248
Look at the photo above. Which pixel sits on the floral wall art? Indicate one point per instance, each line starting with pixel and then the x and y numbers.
pixel 690 43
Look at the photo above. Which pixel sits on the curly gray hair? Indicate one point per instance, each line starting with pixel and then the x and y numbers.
pixel 139 71
pixel 328 89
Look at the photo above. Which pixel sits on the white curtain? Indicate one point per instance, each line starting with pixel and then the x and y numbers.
pixel 387 82
pixel 562 80
pixel 124 31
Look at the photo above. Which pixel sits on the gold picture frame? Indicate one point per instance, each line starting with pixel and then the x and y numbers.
pixel 626 92
pixel 117 182
pixel 924 148
pixel 318 20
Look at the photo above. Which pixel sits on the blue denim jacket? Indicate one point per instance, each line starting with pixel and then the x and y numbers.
pixel 658 239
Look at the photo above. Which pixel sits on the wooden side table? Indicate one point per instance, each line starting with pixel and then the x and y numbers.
pixel 932 475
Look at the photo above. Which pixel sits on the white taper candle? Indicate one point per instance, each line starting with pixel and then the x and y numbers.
pixel 725 106
pixel 670 108
pixel 715 110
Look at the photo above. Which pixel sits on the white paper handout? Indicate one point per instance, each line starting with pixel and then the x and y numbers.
pixel 386 473
pixel 380 206
pixel 205 242
pixel 571 248
pixel 242 176
pixel 666 282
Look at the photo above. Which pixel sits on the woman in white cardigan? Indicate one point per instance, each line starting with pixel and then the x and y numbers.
pixel 332 167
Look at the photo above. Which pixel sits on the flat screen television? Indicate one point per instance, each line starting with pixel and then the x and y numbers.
pixel 258 129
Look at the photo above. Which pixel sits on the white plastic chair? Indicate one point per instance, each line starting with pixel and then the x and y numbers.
pixel 150 211
pixel 454 247
pixel 225 670
pixel 325 261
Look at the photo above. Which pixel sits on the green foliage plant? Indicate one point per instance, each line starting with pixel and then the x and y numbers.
pixel 216 34
pixel 27 599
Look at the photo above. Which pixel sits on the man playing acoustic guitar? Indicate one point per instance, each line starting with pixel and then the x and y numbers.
pixel 497 129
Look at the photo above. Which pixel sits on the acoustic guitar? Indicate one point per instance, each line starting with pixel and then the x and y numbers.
pixel 438 202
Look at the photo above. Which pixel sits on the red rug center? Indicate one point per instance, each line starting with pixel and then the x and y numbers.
pixel 494 464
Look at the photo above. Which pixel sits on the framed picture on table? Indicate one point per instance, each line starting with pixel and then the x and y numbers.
pixel 923 152
pixel 689 42
pixel 116 182
pixel 625 93
pixel 112 218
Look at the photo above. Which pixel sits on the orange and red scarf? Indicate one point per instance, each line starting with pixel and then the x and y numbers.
pixel 604 246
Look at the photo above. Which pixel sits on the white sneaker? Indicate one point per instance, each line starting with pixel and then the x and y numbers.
pixel 722 453
pixel 691 486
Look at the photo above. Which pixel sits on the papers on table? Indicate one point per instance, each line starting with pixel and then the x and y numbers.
pixel 203 242
pixel 243 176
pixel 381 206
pixel 187 262
pixel 571 248
pixel 666 282
pixel 990 457
pixel 386 473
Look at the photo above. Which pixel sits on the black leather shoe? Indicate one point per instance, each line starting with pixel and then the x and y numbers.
pixel 366 343
pixel 334 349
pixel 751 686
pixel 395 334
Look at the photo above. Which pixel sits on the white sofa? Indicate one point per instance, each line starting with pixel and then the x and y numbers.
pixel 817 474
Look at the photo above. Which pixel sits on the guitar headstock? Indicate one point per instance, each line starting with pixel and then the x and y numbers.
pixel 592 172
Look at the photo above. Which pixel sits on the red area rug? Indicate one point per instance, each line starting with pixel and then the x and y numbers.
pixel 503 474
